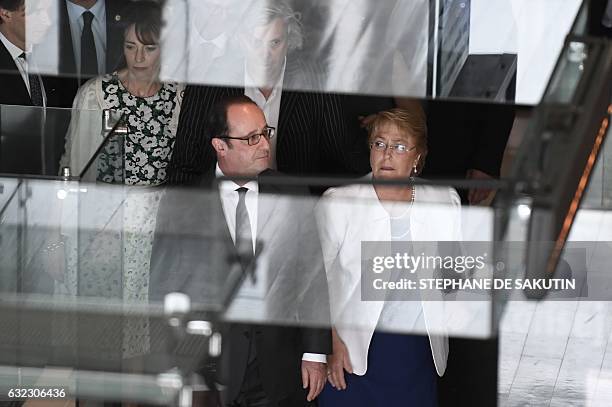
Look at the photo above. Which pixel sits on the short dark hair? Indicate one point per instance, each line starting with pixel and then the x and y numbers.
pixel 216 122
pixel 10 5
pixel 146 17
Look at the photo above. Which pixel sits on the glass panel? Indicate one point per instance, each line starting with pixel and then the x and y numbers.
pixel 437 48
pixel 103 305
pixel 39 141
pixel 10 237
pixel 107 162
pixel 572 64
pixel 127 247
pixel 599 192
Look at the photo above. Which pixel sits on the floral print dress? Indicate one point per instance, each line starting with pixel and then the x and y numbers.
pixel 147 148
pixel 115 260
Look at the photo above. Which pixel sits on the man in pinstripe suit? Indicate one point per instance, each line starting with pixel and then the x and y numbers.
pixel 312 135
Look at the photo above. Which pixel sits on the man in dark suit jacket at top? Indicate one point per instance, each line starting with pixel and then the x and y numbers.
pixel 312 134
pixel 19 82
pixel 91 42
pixel 196 234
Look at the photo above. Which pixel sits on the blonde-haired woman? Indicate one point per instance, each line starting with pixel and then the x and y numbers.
pixel 369 365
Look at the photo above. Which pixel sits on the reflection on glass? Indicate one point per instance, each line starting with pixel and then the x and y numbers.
pixel 568 72
pixel 339 51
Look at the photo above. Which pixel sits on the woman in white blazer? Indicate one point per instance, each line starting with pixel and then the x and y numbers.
pixel 370 366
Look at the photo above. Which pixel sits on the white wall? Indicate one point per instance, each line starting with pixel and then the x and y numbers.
pixel 535 29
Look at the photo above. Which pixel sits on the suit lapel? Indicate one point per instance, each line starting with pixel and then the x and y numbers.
pixel 14 89
pixel 67 59
pixel 114 35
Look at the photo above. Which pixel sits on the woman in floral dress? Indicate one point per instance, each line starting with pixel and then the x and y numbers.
pixel 113 256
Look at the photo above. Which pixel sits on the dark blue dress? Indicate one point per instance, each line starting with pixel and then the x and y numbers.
pixel 400 372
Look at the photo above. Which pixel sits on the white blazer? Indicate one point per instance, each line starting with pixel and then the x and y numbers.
pixel 348 215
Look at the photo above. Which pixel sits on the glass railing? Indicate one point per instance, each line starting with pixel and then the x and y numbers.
pixel 95 269
pixel 37 141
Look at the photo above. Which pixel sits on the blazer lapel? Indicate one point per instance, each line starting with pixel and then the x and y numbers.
pixel 14 91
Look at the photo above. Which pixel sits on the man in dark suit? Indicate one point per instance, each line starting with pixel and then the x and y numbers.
pixel 24 130
pixel 196 234
pixel 312 136
pixel 90 43
pixel 20 84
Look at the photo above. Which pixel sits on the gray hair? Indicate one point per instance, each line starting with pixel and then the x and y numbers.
pixel 263 12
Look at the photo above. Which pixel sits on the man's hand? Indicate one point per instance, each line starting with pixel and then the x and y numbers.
pixel 313 377
pixel 338 362
pixel 475 196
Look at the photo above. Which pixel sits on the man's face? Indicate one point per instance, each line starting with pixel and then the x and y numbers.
pixel 237 158
pixel 14 22
pixel 266 49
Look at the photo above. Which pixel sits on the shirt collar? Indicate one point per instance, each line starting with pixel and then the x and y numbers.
pixel 279 83
pixel 231 186
pixel 98 10
pixel 13 49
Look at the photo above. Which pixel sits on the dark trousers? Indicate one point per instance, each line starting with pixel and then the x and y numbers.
pixel 252 393
pixel 470 361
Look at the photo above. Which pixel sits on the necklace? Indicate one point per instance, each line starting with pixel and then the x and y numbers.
pixel 392 208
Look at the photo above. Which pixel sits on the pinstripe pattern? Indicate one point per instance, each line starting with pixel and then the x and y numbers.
pixel 312 133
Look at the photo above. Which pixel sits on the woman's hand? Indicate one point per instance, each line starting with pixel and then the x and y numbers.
pixel 337 362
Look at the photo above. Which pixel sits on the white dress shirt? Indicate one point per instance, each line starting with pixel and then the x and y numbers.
pixel 98 27
pixel 229 201
pixel 270 106
pixel 22 65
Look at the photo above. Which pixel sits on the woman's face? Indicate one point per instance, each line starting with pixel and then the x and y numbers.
pixel 142 59
pixel 389 163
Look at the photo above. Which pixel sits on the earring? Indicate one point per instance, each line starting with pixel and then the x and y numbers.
pixel 415 171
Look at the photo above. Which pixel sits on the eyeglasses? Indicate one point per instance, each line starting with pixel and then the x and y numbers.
pixel 396 148
pixel 253 139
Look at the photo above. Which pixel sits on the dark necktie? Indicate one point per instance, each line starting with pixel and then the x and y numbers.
pixel 244 236
pixel 36 93
pixel 89 58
